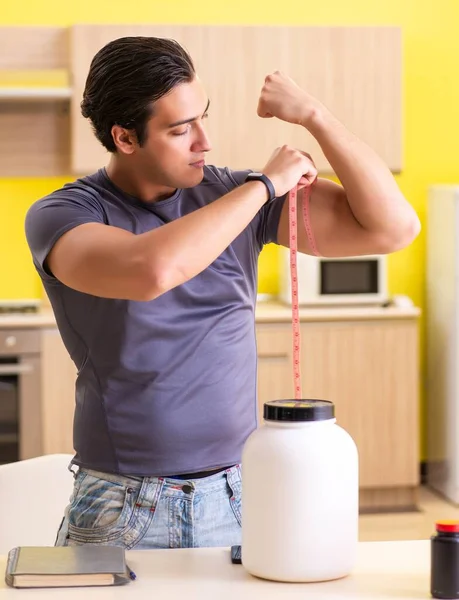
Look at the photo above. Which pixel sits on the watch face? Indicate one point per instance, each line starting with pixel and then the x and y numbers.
pixel 255 174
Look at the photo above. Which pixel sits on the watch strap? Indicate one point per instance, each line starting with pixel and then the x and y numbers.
pixel 261 177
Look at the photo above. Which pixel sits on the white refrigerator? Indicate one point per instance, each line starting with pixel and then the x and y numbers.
pixel 442 338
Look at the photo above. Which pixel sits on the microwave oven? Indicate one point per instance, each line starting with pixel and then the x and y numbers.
pixel 357 280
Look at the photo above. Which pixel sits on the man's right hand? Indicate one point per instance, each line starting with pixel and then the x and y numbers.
pixel 288 168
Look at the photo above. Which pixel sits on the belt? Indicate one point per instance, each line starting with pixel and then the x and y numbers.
pixel 198 474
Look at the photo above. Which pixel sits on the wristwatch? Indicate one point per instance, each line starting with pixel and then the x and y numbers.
pixel 260 177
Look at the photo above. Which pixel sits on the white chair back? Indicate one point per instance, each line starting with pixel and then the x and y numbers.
pixel 33 497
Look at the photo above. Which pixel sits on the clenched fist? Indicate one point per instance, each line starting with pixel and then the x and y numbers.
pixel 281 97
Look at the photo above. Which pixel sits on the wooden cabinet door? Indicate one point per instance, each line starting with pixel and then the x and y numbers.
pixel 369 370
pixel 58 394
pixel 275 375
pixel 354 71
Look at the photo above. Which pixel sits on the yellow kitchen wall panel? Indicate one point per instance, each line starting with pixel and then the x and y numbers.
pixel 354 12
pixel 18 278
pixel 34 78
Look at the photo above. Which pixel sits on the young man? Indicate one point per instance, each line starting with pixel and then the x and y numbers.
pixel 151 268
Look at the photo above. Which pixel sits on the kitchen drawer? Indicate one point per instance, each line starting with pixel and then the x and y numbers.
pixel 274 340
pixel 19 341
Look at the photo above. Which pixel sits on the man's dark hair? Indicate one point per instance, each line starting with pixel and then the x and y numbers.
pixel 126 77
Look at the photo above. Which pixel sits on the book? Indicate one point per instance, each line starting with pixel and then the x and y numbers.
pixel 66 566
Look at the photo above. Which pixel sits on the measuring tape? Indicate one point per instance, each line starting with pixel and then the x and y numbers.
pixel 293 236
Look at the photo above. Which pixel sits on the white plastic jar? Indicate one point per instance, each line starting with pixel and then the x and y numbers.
pixel 299 494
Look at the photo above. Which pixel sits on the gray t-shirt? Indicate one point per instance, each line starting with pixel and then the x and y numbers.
pixel 166 386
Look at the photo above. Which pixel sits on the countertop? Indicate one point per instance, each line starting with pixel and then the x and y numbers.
pixel 42 319
pixel 397 570
pixel 266 312
pixel 273 311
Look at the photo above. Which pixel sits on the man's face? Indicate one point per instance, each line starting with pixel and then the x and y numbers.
pixel 174 152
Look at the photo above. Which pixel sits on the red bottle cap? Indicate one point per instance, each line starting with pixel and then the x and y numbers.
pixel 447 526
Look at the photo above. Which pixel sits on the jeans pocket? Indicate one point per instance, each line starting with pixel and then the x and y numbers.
pixel 233 478
pixel 101 510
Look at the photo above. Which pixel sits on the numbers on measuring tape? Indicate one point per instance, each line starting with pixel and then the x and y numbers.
pixel 294 291
pixel 293 234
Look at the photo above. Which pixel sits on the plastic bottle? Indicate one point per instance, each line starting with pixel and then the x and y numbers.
pixel 299 494
pixel 444 572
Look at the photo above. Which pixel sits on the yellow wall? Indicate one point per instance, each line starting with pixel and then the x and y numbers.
pixel 431 98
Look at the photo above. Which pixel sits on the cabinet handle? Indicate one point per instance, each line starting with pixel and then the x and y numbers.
pixel 11 341
pixel 15 369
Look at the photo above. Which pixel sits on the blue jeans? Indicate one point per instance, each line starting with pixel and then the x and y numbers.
pixel 153 512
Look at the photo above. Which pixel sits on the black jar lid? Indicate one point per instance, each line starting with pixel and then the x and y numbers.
pixel 298 410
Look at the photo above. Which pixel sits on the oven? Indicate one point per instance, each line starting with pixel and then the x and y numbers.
pixel 20 392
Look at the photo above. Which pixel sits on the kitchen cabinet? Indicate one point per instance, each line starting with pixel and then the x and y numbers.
pixel 35 94
pixel 357 74
pixel 366 362
pixel 57 394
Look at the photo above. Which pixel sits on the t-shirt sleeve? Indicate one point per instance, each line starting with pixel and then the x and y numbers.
pixel 49 218
pixel 266 222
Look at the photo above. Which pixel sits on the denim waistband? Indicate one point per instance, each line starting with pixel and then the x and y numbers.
pixel 213 480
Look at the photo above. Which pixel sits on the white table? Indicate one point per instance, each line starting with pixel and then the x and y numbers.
pixel 398 570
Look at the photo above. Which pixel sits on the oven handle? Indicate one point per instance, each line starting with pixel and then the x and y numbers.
pixel 15 369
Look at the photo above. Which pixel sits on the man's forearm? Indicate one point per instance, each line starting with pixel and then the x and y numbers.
pixel 184 247
pixel 373 195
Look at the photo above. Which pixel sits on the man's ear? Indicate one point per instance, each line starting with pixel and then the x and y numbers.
pixel 124 139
